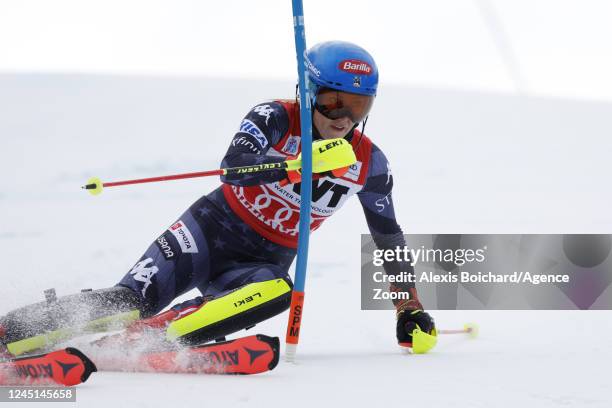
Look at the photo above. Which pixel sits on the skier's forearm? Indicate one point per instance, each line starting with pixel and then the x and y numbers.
pixel 247 159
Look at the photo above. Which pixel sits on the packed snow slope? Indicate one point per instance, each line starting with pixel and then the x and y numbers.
pixel 463 163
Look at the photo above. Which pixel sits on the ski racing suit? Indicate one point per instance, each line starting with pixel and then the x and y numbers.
pixel 235 245
pixel 245 233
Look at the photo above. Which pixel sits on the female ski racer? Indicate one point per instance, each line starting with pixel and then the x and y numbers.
pixel 236 244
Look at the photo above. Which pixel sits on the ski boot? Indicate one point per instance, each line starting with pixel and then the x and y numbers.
pixel 41 325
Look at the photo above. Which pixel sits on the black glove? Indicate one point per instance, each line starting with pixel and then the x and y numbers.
pixel 410 315
pixel 408 320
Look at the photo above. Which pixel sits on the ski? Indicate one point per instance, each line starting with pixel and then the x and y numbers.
pixel 67 367
pixel 245 355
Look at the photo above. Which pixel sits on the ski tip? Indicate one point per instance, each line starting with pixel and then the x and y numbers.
pixel 89 366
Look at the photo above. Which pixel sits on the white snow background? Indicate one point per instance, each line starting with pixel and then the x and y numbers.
pixel 463 162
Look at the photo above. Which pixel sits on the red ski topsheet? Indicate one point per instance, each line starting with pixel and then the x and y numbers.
pixel 245 355
pixel 63 367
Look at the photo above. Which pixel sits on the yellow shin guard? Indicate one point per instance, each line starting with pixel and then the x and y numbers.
pixel 239 309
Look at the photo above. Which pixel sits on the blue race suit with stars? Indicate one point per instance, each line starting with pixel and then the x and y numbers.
pixel 246 230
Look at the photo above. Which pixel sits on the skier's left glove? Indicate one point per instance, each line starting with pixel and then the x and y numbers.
pixel 415 328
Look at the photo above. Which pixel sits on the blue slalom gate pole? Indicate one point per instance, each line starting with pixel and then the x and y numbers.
pixel 297 296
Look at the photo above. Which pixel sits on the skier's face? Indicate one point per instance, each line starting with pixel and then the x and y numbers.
pixel 337 112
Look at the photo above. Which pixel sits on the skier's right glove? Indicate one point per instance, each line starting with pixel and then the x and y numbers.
pixel 329 157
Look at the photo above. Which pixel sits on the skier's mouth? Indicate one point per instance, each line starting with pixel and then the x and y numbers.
pixel 339 128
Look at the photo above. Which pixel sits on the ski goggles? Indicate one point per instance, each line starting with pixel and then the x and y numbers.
pixel 335 104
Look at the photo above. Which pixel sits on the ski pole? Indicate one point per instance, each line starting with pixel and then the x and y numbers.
pixel 95 185
pixel 470 329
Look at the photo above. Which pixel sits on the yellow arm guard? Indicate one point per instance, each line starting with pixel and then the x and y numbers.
pixel 327 155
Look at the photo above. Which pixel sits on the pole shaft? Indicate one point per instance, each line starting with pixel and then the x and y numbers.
pixel 220 172
pixel 453 331
pixel 165 178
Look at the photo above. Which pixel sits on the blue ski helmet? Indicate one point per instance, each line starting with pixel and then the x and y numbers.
pixel 342 66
